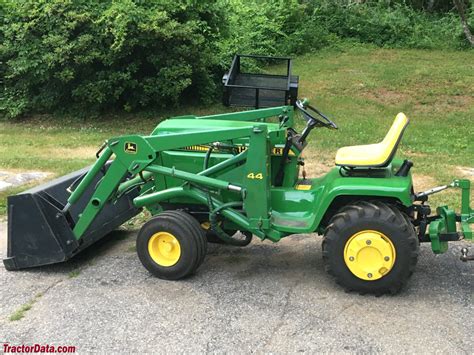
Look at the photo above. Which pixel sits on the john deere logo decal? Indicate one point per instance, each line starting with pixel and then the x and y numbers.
pixel 130 148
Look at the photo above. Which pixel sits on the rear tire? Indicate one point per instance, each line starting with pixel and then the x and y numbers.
pixel 370 247
pixel 171 246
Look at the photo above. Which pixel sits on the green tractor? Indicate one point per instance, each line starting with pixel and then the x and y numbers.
pixel 232 176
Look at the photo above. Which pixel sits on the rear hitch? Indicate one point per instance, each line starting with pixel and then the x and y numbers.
pixel 421 195
pixel 441 228
pixel 464 255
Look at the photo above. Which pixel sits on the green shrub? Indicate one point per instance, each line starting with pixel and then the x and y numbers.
pixel 91 55
pixel 106 54
pixel 289 27
pixel 272 27
pixel 381 24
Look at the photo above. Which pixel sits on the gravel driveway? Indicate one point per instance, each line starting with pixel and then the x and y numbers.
pixel 263 298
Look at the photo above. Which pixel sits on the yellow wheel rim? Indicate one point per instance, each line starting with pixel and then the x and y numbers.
pixel 164 249
pixel 369 255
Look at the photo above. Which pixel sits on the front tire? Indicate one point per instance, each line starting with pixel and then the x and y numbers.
pixel 370 247
pixel 171 246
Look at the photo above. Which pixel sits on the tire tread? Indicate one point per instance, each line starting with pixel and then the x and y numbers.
pixel 348 215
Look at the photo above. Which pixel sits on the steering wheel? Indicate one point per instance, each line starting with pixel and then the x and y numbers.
pixel 305 108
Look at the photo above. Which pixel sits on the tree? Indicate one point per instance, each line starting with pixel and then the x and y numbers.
pixel 465 25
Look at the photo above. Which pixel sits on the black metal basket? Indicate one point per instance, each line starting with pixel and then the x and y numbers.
pixel 257 90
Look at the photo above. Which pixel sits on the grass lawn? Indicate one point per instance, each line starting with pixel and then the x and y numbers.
pixel 362 88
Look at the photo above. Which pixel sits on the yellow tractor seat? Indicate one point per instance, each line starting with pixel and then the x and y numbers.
pixel 374 155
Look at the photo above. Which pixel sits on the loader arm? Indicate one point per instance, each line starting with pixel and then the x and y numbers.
pixel 136 154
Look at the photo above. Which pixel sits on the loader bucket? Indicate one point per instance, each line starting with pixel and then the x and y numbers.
pixel 39 234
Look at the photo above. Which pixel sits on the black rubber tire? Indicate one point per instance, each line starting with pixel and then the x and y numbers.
pixel 189 237
pixel 377 216
pixel 193 223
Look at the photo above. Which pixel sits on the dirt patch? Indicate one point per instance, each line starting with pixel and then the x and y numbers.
pixel 410 153
pixel 12 179
pixel 422 102
pixel 317 168
pixel 466 171
pixel 442 103
pixel 386 96
pixel 459 100
pixel 423 182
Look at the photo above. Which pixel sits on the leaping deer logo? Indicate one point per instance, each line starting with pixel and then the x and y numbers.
pixel 131 147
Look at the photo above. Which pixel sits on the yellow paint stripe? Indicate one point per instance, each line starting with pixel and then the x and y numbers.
pixel 303 187
pixel 240 148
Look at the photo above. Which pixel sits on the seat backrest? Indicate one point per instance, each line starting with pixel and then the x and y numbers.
pixel 394 135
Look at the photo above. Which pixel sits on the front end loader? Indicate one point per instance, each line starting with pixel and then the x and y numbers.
pixel 232 176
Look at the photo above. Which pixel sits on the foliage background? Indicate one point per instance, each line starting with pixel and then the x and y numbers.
pixel 127 55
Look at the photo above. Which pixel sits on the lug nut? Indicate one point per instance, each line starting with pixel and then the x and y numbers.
pixel 386 258
pixel 368 242
pixel 369 275
pixel 351 258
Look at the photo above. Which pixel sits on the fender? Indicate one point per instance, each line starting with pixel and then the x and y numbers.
pixel 334 185
pixel 308 208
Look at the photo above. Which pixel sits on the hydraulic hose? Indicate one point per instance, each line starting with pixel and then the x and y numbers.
pixel 213 219
pixel 216 228
pixel 204 167
pixel 207 157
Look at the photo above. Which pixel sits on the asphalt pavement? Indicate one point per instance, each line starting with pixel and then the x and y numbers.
pixel 262 298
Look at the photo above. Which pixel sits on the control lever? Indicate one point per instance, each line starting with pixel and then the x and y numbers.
pixel 299 141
